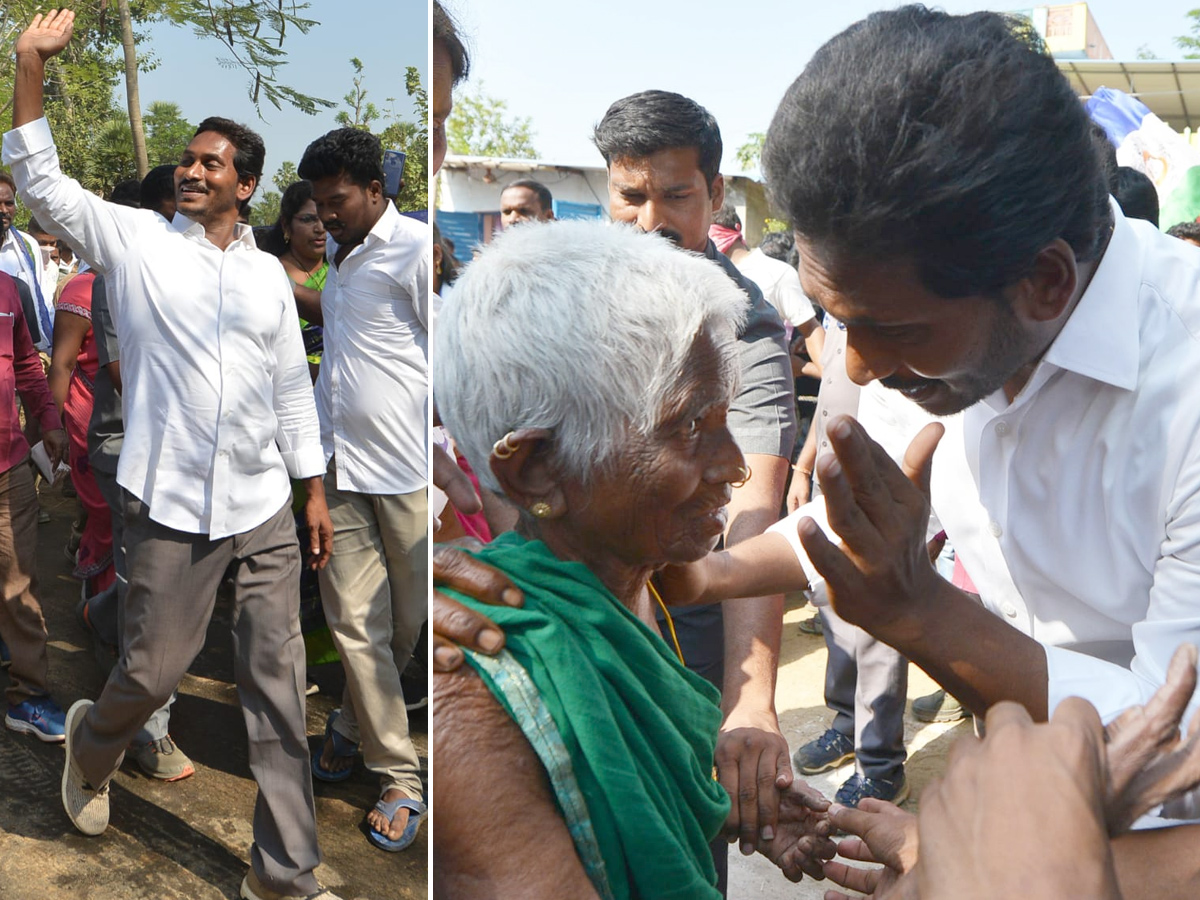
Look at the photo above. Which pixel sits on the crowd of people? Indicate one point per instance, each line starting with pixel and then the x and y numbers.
pixel 1003 365
pixel 230 416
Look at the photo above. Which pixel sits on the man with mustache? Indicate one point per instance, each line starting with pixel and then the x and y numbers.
pixel 218 413
pixel 663 153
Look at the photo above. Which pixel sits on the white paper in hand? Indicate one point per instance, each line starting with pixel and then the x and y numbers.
pixel 41 459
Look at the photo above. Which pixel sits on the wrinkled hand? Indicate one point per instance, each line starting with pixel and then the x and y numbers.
pixel 880 832
pixel 881 512
pixel 55 442
pixel 1021 812
pixel 47 35
pixel 454 624
pixel 801 839
pixel 753 765
pixel 1148 763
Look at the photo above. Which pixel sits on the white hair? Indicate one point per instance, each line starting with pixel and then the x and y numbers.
pixel 577 327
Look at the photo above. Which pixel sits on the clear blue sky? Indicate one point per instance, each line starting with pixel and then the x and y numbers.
pixel 387 35
pixel 562 64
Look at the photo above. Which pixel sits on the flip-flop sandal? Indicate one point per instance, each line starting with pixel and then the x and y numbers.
pixel 343 748
pixel 417 811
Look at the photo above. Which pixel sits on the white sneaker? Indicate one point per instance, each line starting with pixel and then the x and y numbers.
pixel 86 806
pixel 253 889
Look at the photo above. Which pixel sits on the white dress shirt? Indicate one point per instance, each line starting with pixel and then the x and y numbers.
pixel 373 386
pixel 28 268
pixel 780 284
pixel 1075 509
pixel 216 394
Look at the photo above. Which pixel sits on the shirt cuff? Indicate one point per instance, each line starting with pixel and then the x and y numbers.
pixel 786 528
pixel 27 140
pixel 49 419
pixel 307 462
pixel 1110 688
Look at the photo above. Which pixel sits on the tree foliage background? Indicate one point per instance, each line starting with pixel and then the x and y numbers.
pixel 481 126
pixel 93 130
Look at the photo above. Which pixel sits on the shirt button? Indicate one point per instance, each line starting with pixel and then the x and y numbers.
pixel 1002 428
pixel 1008 609
pixel 839 350
pixel 994 528
pixel 824 412
pixel 222 453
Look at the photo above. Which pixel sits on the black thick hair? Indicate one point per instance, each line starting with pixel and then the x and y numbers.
pixel 350 151
pixel 950 141
pixel 1187 231
pixel 1136 194
pixel 157 187
pixel 780 245
pixel 6 178
pixel 445 30
pixel 727 217
pixel 271 238
pixel 545 198
pixel 33 226
pixel 249 152
pixel 128 193
pixel 642 124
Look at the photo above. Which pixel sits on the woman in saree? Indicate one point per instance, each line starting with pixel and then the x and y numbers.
pixel 586 372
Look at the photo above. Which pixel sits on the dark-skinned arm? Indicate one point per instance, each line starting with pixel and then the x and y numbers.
pixel 499 832
pixel 70 329
pixel 882 580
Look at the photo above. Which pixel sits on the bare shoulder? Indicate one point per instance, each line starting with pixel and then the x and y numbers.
pixel 496 829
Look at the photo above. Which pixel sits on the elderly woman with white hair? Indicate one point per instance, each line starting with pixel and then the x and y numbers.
pixel 586 372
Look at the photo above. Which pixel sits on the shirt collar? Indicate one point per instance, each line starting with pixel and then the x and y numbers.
pixel 242 234
pixel 382 230
pixel 1100 339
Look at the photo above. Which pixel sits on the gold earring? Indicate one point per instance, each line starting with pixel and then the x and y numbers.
pixel 504 448
pixel 745 472
pixel 540 509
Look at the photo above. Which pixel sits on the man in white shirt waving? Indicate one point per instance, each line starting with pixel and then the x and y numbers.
pixel 218 414
pixel 372 399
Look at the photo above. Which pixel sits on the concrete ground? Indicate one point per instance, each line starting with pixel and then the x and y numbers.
pixel 803 716
pixel 183 841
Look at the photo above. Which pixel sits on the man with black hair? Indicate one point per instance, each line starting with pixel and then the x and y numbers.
pixel 152 748
pixel 218 413
pixel 1136 194
pixel 525 200
pixel 952 211
pixel 21 257
pixel 663 154
pixel 451 64
pixel 1186 231
pixel 372 399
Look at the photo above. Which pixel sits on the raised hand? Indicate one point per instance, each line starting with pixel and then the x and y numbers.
pixel 881 512
pixel 47 34
pixel 1148 763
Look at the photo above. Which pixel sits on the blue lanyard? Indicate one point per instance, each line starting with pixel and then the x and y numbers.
pixel 43 314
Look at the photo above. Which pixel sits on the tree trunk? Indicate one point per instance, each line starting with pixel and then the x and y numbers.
pixel 132 96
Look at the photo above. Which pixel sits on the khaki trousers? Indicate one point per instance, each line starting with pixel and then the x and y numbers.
pixel 375 594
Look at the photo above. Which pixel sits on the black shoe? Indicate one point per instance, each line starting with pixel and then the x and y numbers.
pixel 857 787
pixel 829 751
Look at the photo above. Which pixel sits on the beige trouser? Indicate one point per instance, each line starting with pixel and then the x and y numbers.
pixel 375 594
pixel 22 626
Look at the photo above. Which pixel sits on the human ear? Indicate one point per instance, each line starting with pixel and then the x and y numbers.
pixel 1046 293
pixel 520 463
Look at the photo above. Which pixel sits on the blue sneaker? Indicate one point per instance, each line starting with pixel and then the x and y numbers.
pixel 829 751
pixel 39 716
pixel 5 656
pixel 857 787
